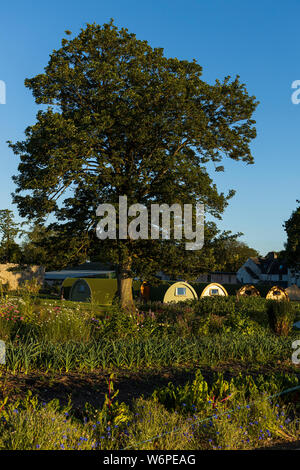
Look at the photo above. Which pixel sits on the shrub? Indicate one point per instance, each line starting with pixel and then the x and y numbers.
pixel 235 414
pixel 62 325
pixel 201 395
pixel 29 425
pixel 10 320
pixel 281 316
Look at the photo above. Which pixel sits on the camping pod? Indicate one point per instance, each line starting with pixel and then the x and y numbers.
pixel 247 291
pixel 214 289
pixel 293 292
pixel 66 286
pixel 180 291
pixel 277 293
pixel 100 291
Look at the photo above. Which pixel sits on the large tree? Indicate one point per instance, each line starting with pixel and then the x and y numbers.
pixel 123 119
pixel 292 246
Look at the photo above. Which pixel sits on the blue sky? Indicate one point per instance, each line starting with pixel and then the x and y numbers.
pixel 258 40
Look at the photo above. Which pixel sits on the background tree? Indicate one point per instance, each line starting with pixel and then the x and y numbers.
pixel 292 246
pixel 122 119
pixel 10 251
pixel 231 254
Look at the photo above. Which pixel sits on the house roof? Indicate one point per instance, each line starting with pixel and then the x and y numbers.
pixel 53 275
pixel 251 273
pixel 270 264
pixel 87 269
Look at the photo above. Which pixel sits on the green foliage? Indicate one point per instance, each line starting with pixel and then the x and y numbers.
pixel 292 248
pixel 116 324
pixel 112 413
pixel 10 321
pixel 213 411
pixel 69 336
pixel 235 414
pixel 61 325
pixel 231 254
pixel 201 395
pixel 154 351
pixel 158 125
pixel 29 425
pixel 10 251
pixel 33 247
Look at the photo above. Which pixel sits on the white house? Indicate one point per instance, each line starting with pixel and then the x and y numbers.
pixel 264 269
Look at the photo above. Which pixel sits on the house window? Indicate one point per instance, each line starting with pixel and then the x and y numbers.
pixel 180 291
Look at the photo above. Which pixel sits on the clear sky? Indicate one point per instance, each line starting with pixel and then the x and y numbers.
pixel 256 39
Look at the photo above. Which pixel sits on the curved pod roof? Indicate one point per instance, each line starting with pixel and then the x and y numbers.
pixel 180 291
pixel 277 293
pixel 248 291
pixel 66 287
pixel 214 289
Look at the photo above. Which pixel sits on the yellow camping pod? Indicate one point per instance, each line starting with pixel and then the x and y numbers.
pixel 180 291
pixel 248 291
pixel 66 286
pixel 214 289
pixel 277 293
pixel 293 292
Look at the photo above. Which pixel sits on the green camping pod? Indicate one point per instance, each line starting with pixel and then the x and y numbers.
pixel 66 286
pixel 100 291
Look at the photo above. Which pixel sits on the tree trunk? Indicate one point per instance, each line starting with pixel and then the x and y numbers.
pixel 125 288
pixel 126 297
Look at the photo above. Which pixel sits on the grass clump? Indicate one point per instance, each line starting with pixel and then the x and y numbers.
pixel 281 316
